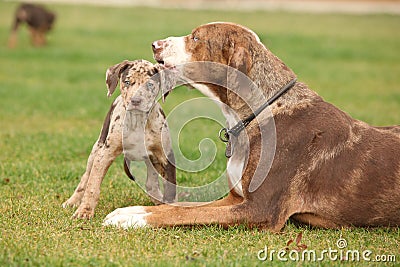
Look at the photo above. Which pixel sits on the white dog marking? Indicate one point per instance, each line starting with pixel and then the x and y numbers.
pixel 129 217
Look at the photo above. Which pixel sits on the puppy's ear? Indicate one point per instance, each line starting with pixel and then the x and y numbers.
pixel 238 83
pixel 113 74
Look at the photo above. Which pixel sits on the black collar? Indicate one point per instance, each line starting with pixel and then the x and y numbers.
pixel 224 133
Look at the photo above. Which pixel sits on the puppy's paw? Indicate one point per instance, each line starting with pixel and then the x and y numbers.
pixel 71 203
pixel 83 212
pixel 129 217
pixel 74 201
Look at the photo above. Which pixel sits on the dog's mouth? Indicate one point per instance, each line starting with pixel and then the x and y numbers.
pixel 157 57
pixel 166 64
pixel 137 109
pixel 163 62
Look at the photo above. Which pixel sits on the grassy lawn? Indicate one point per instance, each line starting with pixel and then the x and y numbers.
pixel 53 101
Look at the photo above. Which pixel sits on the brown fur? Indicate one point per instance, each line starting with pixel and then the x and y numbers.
pixel 329 170
pixel 38 19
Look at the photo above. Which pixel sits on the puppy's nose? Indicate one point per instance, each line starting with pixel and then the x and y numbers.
pixel 156 45
pixel 136 101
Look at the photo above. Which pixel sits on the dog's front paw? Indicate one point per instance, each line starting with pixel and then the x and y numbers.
pixel 70 203
pixel 74 201
pixel 129 217
pixel 83 212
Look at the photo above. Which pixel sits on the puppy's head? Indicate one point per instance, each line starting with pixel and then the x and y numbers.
pixel 140 83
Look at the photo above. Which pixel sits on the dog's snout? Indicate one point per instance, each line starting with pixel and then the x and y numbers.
pixel 136 101
pixel 157 45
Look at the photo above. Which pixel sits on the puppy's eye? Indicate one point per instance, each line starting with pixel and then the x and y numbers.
pixel 195 38
pixel 127 83
pixel 150 86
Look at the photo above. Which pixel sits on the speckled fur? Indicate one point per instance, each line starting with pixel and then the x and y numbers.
pixel 110 142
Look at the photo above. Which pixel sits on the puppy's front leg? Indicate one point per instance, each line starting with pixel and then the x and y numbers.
pixel 109 146
pixel 169 179
pixel 103 160
pixel 152 184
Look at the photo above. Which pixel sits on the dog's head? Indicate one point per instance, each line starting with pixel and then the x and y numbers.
pixel 221 42
pixel 226 44
pixel 248 64
pixel 140 83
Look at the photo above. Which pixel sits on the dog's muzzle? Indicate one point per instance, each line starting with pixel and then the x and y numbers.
pixel 157 47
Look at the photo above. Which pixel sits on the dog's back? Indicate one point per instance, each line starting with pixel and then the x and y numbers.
pixel 394 129
pixel 347 172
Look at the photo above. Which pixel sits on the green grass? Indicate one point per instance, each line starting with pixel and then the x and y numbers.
pixel 52 103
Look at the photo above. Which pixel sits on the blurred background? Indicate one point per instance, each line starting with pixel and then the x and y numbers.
pixel 326 6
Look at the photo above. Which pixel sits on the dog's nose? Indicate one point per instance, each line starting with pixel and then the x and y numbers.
pixel 136 101
pixel 157 45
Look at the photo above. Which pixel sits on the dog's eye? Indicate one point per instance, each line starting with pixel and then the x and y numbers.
pixel 127 83
pixel 195 38
pixel 150 86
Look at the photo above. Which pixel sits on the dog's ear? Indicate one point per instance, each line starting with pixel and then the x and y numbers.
pixel 240 59
pixel 113 74
pixel 238 84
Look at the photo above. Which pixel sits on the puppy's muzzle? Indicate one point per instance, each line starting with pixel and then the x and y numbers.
pixel 136 101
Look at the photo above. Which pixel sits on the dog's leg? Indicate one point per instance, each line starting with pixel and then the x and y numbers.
pixel 168 173
pixel 19 18
pixel 231 199
pixel 37 37
pixel 42 36
pixel 75 199
pixel 108 147
pixel 12 41
pixel 152 184
pixel 168 216
pixel 169 183
pixel 101 162
pixel 34 36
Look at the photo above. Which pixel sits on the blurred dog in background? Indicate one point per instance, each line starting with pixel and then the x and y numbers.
pixel 38 19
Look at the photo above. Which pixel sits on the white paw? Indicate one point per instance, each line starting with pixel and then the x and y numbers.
pixel 129 217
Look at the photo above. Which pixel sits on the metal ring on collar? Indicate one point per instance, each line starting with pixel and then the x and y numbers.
pixel 223 135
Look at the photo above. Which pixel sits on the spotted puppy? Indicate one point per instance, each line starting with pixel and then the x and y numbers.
pixel 135 125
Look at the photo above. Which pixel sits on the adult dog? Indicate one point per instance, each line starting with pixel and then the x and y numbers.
pixel 38 19
pixel 329 170
pixel 134 125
